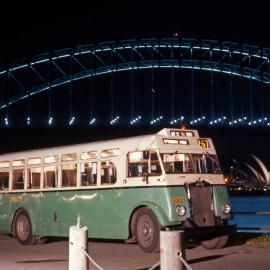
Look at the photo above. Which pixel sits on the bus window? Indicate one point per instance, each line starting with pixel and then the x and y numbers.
pixel 69 175
pixel 110 153
pixel 4 177
pixel 177 163
pixel 88 173
pixel 206 163
pixel 34 161
pixel 69 157
pixel 17 163
pixel 155 164
pixel 4 164
pixel 108 173
pixel 50 176
pixel 137 166
pixel 89 155
pixel 34 176
pixel 18 179
pixel 50 159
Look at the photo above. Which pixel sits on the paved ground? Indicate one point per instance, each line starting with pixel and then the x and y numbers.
pixel 119 256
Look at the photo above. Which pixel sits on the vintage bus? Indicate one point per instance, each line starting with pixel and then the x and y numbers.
pixel 129 188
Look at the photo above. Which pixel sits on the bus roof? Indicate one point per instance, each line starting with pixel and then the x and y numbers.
pixel 141 142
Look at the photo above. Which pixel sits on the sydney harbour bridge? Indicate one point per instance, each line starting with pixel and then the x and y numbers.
pixel 163 81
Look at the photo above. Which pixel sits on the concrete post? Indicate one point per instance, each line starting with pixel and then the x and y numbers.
pixel 78 238
pixel 171 246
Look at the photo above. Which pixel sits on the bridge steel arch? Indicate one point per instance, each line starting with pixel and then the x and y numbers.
pixel 50 70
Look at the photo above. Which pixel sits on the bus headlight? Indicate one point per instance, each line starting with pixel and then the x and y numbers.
pixel 226 208
pixel 180 210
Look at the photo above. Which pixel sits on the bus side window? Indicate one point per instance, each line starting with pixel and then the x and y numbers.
pixel 137 165
pixel 4 179
pixel 50 176
pixel 108 173
pixel 88 173
pixel 69 175
pixel 155 165
pixel 34 177
pixel 18 179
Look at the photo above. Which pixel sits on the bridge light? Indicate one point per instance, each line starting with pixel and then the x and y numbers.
pixel 71 121
pixel 92 121
pixel 115 120
pixel 28 120
pixel 50 121
pixel 135 120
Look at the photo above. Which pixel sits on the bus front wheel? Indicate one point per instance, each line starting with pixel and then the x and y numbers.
pixel 147 230
pixel 216 243
pixel 23 228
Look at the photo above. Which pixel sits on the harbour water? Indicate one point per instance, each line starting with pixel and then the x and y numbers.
pixel 251 213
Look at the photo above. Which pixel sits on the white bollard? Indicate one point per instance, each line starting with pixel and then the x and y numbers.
pixel 78 241
pixel 171 246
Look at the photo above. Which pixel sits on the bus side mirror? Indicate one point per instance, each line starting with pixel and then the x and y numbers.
pixel 145 154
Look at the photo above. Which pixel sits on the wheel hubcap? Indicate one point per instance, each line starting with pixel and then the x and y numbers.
pixel 22 227
pixel 145 231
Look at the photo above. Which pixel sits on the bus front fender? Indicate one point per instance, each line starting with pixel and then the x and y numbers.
pixel 158 211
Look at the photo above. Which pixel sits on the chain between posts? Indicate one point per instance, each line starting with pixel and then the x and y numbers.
pixel 151 268
pixel 181 259
pixel 91 260
pixel 184 261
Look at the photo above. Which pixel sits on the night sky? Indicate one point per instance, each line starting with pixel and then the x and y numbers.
pixel 30 29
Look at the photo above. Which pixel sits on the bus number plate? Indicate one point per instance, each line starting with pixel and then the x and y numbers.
pixel 203 143
pixel 16 199
pixel 178 200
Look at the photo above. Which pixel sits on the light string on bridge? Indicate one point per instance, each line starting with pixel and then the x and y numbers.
pixel 93 119
pixel 50 117
pixel 7 108
pixel 71 115
pixel 236 60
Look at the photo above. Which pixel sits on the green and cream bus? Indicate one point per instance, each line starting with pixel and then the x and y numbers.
pixel 128 189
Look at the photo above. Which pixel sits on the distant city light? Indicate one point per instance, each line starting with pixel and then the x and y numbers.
pixel 6 121
pixel 28 121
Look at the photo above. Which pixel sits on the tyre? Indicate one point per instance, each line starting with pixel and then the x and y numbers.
pixel 23 228
pixel 216 243
pixel 147 230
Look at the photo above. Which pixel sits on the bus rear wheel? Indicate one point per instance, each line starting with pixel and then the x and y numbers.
pixel 147 230
pixel 23 228
pixel 216 243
